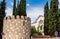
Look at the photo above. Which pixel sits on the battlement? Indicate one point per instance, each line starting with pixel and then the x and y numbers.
pixel 16 27
pixel 17 17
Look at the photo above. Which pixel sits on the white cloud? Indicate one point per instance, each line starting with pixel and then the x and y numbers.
pixel 59 0
pixel 11 3
pixel 34 12
pixel 28 4
pixel 59 4
pixel 8 11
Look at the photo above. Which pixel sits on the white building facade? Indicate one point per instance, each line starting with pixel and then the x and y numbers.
pixel 39 22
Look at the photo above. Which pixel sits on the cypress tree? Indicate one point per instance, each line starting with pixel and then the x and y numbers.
pixel 58 27
pixel 2 14
pixel 53 13
pixel 3 6
pixel 0 5
pixel 46 11
pixel 22 8
pixel 58 24
pixel 18 7
pixel 14 8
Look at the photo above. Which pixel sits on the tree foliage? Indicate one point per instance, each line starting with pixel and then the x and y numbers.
pixel 51 19
pixel 53 13
pixel 14 8
pixel 33 30
pixel 20 9
pixel 46 21
pixel 2 15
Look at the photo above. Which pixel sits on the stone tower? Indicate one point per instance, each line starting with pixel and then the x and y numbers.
pixel 17 28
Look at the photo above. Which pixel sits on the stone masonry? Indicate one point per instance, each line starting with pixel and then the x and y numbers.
pixel 16 28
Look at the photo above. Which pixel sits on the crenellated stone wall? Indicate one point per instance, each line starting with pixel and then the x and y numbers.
pixel 16 28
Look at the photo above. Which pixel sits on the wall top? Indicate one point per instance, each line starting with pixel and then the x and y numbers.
pixel 17 17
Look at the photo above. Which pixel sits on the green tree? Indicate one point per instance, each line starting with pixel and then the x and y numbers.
pixel 2 14
pixel 22 8
pixel 0 6
pixel 33 30
pixel 14 8
pixel 46 21
pixel 53 13
pixel 3 6
pixel 58 27
pixel 18 7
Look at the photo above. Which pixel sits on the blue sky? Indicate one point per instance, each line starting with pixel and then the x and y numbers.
pixel 31 2
pixel 33 10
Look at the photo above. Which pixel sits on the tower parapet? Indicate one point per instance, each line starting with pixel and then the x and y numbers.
pixel 16 28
